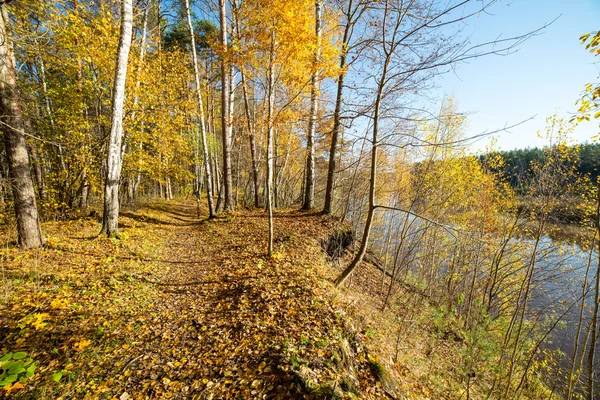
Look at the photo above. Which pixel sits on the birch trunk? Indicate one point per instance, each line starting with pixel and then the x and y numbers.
pixel 209 186
pixel 270 101
pixel 275 173
pixel 225 112
pixel 110 220
pixel 309 192
pixel 28 224
pixel 135 183
pixel 169 190
pixel 138 82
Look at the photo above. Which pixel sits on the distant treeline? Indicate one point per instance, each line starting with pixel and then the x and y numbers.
pixel 517 163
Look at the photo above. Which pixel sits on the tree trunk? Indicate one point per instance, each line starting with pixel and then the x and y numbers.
pixel 85 191
pixel 138 82
pixel 233 199
pixel 309 192
pixel 596 310
pixel 373 182
pixel 237 173
pixel 38 168
pixel 130 190
pixel 48 107
pixel 110 220
pixel 573 374
pixel 219 186
pixel 252 143
pixel 2 189
pixel 335 131
pixel 135 183
pixel 169 191
pixel 278 177
pixel 209 186
pixel 28 224
pixel 225 112
pixel 275 173
pixel 270 101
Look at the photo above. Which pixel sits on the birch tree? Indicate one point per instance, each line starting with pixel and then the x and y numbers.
pixel 309 186
pixel 202 124
pixel 110 220
pixel 225 110
pixel 270 159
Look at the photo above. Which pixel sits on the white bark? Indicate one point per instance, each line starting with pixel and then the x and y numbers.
pixel 136 99
pixel 270 101
pixel 309 193
pixel 209 190
pixel 225 111
pixel 138 82
pixel 110 219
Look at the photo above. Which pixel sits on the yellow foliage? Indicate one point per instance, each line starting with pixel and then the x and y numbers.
pixel 81 345
pixel 60 304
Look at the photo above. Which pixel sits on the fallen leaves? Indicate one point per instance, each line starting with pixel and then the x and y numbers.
pixel 81 345
pixel 181 309
pixel 60 304
pixel 15 386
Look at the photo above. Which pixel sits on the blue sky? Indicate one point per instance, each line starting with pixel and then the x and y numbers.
pixel 545 76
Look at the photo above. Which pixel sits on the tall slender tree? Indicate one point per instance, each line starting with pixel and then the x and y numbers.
pixel 407 51
pixel 225 110
pixel 309 186
pixel 593 345
pixel 352 14
pixel 28 223
pixel 250 124
pixel 270 122
pixel 202 124
pixel 110 220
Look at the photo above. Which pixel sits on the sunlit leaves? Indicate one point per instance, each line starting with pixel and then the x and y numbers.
pixel 35 320
pixel 589 104
pixel 81 345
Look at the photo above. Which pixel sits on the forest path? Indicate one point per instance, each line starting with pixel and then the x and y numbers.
pixel 226 306
pixel 179 308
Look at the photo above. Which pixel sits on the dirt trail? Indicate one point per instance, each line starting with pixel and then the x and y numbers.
pixel 184 309
pixel 228 308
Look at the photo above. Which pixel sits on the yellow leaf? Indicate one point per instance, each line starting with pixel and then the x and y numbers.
pixel 59 304
pixel 79 346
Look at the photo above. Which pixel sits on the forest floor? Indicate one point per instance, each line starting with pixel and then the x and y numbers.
pixel 183 308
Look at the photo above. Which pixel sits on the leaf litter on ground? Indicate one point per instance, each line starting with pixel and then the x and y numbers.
pixel 180 308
